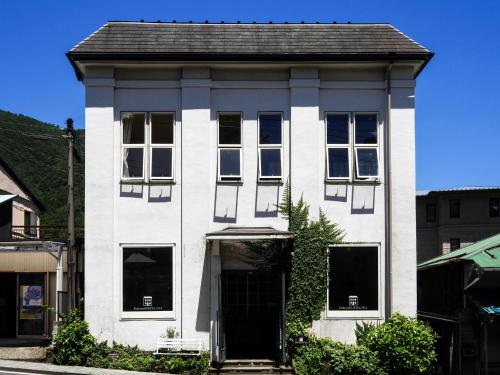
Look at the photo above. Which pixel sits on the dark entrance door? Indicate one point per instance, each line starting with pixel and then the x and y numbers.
pixel 8 305
pixel 251 313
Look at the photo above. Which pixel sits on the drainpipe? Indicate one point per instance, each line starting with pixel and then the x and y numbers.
pixel 388 203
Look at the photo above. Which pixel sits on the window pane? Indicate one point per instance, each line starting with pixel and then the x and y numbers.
pixel 230 162
pixel 337 129
pixel 147 279
pixel 338 162
pixel 133 128
pixel 431 212
pixel 162 128
pixel 270 129
pixel 353 278
pixel 454 244
pixel 161 162
pixel 229 129
pixel 367 162
pixel 454 208
pixel 270 162
pixel 494 207
pixel 366 129
pixel 133 162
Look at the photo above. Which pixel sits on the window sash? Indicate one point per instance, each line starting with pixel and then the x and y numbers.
pixel 266 177
pixel 353 119
pixel 172 162
pixel 123 160
pixel 349 126
pixel 150 122
pixel 270 145
pixel 229 177
pixel 122 129
pixel 219 143
pixel 367 177
pixel 348 177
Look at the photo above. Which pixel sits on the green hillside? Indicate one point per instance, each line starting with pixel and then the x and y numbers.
pixel 38 154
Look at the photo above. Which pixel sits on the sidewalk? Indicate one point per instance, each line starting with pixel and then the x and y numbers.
pixel 45 368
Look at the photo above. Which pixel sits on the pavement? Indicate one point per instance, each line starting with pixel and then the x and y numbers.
pixel 35 368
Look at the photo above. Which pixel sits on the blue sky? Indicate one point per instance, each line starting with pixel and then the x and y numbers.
pixel 458 101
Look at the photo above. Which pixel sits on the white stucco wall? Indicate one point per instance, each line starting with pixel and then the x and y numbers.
pixel 182 213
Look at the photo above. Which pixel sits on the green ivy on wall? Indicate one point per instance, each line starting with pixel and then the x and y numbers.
pixel 308 279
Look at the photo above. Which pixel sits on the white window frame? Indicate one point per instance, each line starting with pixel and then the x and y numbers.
pixel 147 315
pixel 152 146
pixel 339 146
pixel 269 147
pixel 374 146
pixel 357 314
pixel 229 178
pixel 125 146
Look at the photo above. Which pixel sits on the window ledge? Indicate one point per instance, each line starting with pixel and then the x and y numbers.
pixel 230 182
pixel 353 182
pixel 151 182
pixel 375 316
pixel 270 181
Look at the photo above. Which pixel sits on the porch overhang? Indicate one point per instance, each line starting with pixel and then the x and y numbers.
pixel 248 234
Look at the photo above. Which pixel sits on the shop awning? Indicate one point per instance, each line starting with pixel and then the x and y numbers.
pixel 248 234
pixel 6 197
pixel 485 253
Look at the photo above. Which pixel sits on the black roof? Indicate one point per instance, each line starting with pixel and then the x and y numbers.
pixel 21 185
pixel 247 41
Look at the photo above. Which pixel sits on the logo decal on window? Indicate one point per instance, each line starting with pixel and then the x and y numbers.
pixel 353 301
pixel 147 301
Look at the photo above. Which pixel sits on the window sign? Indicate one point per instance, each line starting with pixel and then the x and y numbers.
pixel 32 301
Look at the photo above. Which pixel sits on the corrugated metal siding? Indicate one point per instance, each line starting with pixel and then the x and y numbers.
pixel 28 262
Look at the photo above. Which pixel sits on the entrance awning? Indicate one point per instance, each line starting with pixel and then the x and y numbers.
pixel 248 234
pixel 6 197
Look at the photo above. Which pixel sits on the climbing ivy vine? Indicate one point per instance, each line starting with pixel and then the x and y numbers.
pixel 308 279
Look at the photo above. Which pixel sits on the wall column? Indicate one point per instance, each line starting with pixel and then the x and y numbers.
pixel 99 198
pixel 305 137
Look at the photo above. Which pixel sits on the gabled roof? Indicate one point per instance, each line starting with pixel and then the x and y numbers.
pixel 118 40
pixel 485 253
pixel 21 185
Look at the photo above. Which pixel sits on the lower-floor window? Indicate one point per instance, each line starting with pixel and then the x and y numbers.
pixel 353 278
pixel 148 279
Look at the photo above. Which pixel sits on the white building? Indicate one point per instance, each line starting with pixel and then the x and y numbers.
pixel 192 130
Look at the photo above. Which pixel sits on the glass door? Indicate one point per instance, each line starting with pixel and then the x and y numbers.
pixel 31 289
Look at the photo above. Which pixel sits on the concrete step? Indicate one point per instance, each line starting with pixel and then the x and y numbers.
pixel 251 366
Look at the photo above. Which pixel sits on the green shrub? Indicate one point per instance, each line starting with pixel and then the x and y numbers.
pixel 324 356
pixel 362 332
pixel 183 365
pixel 73 344
pixel 404 345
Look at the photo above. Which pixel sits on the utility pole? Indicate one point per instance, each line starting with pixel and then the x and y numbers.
pixel 71 256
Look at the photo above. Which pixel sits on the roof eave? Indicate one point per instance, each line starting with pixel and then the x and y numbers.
pixel 75 57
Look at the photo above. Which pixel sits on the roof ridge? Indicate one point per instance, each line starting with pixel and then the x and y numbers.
pixel 406 36
pixel 88 37
pixel 232 23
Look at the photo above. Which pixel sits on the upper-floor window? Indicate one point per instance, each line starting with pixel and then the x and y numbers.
pixel 494 207
pixel 229 146
pixel 430 212
pixel 347 134
pixel 454 208
pixel 148 145
pixel 270 146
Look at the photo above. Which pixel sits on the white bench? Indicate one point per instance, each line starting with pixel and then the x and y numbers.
pixel 178 346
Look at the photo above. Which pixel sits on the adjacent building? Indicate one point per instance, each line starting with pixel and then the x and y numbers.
pixel 465 308
pixel 453 218
pixel 192 132
pixel 27 272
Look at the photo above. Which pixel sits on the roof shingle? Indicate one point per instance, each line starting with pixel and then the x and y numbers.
pixel 118 38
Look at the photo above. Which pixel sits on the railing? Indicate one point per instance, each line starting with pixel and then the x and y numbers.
pixel 43 232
